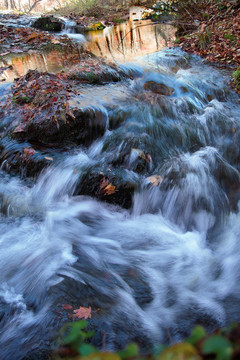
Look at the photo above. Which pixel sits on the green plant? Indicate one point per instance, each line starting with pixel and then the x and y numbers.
pixel 118 20
pixel 96 26
pixel 74 336
pixel 91 77
pixel 236 78
pixel 206 16
pixel 204 39
pixel 21 99
pixel 222 345
pixel 230 37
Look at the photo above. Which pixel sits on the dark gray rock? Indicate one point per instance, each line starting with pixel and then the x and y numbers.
pixel 48 23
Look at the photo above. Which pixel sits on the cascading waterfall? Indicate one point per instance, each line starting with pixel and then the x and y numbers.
pixel 159 268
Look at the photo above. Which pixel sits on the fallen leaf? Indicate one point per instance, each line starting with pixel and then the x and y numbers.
pixel 155 180
pixel 82 312
pixel 32 36
pixel 28 152
pixel 67 306
pixel 55 41
pixel 109 189
pixel 103 184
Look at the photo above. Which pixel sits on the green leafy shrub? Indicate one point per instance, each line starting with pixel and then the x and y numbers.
pixel 236 78
pixel 74 336
pixel 224 344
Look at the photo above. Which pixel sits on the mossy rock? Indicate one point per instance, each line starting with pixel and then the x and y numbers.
pixel 48 23
pixel 96 26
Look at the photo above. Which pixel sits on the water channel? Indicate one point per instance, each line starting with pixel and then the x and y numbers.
pixel 171 261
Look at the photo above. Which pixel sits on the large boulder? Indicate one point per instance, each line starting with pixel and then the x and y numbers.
pixel 95 71
pixel 78 126
pixel 48 23
pixel 44 113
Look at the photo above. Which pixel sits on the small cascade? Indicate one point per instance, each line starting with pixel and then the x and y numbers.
pixel 70 29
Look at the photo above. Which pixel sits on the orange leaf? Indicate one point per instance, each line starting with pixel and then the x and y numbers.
pixel 155 180
pixel 82 312
pixel 32 36
pixel 109 189
pixel 28 152
pixel 103 184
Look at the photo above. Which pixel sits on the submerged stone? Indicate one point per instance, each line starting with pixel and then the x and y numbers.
pixel 113 186
pixel 158 88
pixel 93 71
pixel 23 158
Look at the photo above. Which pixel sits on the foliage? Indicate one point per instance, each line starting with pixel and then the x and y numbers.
pixel 236 78
pixel 211 29
pixel 84 6
pixel 96 26
pixel 25 6
pixel 23 39
pixel 215 33
pixel 73 335
pixel 224 344
pixel 204 39
pixel 118 20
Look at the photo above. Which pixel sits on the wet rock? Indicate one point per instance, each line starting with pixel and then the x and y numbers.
pixel 80 29
pixel 113 186
pixel 139 162
pixel 184 89
pixel 48 23
pixel 94 71
pixel 79 126
pixel 158 88
pixel 44 114
pixel 23 159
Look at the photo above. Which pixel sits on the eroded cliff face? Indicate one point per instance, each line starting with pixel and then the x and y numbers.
pixel 26 5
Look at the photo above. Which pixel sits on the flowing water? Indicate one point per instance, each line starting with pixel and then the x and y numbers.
pixel 151 272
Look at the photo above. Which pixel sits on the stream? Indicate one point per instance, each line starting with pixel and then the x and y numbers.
pixel 150 272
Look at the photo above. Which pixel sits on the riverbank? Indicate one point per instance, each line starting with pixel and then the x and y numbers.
pixel 211 29
pixel 206 28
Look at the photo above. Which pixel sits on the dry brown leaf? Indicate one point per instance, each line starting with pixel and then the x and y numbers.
pixel 155 180
pixel 28 152
pixel 33 36
pixel 103 184
pixel 83 312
